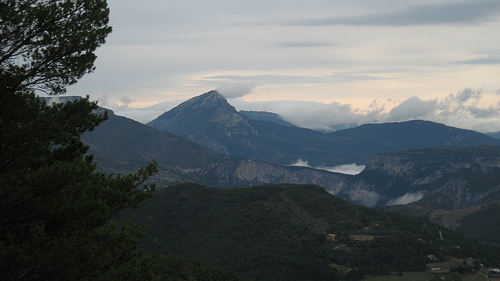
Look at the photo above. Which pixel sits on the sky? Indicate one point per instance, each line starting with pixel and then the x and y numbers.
pixel 320 64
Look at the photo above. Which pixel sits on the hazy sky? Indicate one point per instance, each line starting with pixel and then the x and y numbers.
pixel 317 63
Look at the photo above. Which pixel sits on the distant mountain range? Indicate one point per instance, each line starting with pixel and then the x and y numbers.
pixel 122 145
pixel 211 121
pixel 445 178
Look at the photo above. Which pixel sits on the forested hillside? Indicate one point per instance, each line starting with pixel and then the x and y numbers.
pixel 293 232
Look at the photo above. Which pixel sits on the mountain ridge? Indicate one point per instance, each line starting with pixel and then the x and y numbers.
pixel 222 128
pixel 122 145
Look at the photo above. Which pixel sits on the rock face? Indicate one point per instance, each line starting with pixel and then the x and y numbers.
pixel 249 172
pixel 446 177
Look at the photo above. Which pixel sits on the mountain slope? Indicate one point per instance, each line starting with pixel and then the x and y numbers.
pixel 211 121
pixel 281 232
pixel 123 145
pixel 494 135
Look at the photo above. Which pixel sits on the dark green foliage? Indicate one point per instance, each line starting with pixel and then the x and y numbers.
pixel 279 232
pixel 483 225
pixel 175 268
pixel 55 211
pixel 47 45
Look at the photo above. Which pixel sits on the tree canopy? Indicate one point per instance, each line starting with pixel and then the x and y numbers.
pixel 49 44
pixel 55 209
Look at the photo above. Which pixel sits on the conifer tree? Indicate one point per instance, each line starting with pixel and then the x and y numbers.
pixel 55 209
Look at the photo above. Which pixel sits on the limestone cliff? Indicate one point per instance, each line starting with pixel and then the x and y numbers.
pixel 446 177
pixel 250 172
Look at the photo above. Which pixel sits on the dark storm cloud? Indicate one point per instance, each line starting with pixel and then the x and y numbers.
pixel 463 12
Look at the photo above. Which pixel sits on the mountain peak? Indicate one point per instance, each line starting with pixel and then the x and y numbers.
pixel 197 113
pixel 209 100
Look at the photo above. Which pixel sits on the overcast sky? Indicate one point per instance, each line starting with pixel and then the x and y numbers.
pixel 319 64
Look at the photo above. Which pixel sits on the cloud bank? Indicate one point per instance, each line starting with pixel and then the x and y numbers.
pixel 467 109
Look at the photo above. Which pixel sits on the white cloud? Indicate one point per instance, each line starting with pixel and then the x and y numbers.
pixel 236 89
pixel 314 115
pixel 301 163
pixel 412 108
pixel 406 199
pixel 349 169
pixel 364 197
pixel 143 115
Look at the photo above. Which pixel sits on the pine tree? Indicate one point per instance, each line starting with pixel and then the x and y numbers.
pixel 55 210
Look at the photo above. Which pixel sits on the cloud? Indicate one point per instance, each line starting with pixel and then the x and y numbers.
pixel 301 163
pixel 295 79
pixel 236 90
pixel 412 108
pixel 406 199
pixel 465 12
pixel 364 197
pixel 125 100
pixel 463 109
pixel 142 115
pixel 326 117
pixel 484 60
pixel 303 44
pixel 349 169
pixel 466 95
pixel 467 109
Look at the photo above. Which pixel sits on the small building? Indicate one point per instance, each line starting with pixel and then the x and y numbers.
pixel 332 236
pixel 431 257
